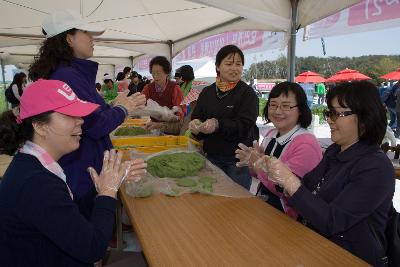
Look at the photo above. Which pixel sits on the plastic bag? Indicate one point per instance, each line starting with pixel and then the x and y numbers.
pixel 161 113
pixel 210 180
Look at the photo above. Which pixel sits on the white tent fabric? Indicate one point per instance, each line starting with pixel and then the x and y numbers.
pixel 137 27
pixel 278 12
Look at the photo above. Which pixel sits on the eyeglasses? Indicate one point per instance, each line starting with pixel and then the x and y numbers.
pixel 334 115
pixel 283 106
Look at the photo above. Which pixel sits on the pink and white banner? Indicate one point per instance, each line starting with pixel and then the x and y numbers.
pixel 248 41
pixel 368 15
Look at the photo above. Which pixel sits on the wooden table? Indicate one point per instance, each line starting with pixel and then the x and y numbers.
pixel 200 230
pixel 4 162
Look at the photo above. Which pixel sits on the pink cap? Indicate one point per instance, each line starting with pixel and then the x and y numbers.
pixel 52 95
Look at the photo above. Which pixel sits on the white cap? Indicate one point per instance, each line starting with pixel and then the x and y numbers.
pixel 107 76
pixel 61 21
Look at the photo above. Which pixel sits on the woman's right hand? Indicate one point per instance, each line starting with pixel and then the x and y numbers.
pixel 112 174
pixel 132 103
pixel 248 156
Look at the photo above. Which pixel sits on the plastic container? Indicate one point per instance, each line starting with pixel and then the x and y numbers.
pixel 135 122
pixel 143 146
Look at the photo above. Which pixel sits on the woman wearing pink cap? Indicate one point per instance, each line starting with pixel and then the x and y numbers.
pixel 40 224
pixel 64 56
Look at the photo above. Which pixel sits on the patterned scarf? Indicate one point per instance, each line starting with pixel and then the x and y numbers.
pixel 225 86
pixel 46 160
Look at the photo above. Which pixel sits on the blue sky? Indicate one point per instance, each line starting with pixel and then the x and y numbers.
pixel 381 42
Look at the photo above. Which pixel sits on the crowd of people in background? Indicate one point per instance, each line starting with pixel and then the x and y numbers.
pixel 390 96
pixel 59 132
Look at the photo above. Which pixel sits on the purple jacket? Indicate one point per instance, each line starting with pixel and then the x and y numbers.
pixel 81 77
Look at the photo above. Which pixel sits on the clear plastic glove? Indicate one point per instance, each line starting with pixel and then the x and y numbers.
pixel 152 125
pixel 112 174
pixel 194 126
pixel 280 174
pixel 132 103
pixel 154 110
pixel 209 126
pixel 136 170
pixel 243 154
pixel 255 159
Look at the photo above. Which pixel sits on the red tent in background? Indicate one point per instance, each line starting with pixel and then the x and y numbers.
pixel 348 75
pixel 309 77
pixel 395 75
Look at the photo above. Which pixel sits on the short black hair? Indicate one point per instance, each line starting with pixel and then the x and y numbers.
pixel 127 70
pixel 187 73
pixel 120 76
pixel 134 74
pixel 108 80
pixel 305 116
pixel 161 61
pixel 178 73
pixel 363 99
pixel 226 51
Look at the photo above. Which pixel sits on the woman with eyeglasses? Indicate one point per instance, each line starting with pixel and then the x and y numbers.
pixel 289 141
pixel 347 197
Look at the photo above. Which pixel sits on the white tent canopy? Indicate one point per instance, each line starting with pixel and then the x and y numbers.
pixel 153 27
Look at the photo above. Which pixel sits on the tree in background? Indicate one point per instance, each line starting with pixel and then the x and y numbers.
pixel 372 66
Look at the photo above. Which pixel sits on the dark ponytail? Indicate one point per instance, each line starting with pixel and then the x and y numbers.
pixel 13 135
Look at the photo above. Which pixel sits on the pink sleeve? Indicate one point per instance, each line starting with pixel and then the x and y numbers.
pixel 302 155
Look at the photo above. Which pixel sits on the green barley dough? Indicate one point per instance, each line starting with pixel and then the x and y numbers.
pixel 175 165
pixel 207 179
pixel 208 187
pixel 130 131
pixel 174 192
pixel 145 192
pixel 186 182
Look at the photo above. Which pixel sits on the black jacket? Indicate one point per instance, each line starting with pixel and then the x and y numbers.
pixel 236 114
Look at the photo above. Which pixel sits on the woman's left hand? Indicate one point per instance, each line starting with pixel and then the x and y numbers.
pixel 280 174
pixel 136 170
pixel 209 126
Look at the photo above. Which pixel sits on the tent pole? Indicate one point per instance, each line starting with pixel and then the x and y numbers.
pixel 3 73
pixel 171 50
pixel 4 80
pixel 292 41
pixel 131 58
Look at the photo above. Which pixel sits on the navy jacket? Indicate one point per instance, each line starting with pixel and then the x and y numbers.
pixel 236 114
pixel 359 186
pixel 81 77
pixel 41 226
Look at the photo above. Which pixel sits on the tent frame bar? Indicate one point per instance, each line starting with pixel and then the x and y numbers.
pixel 292 42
